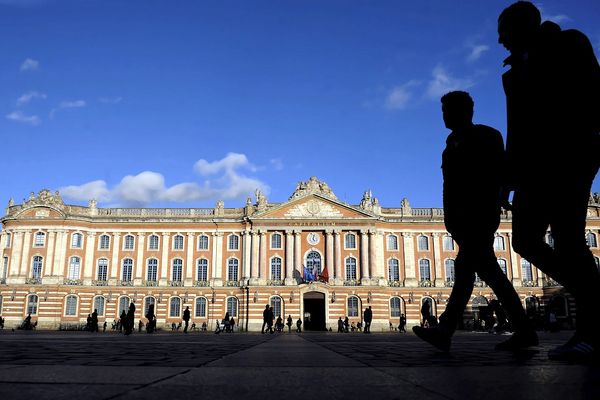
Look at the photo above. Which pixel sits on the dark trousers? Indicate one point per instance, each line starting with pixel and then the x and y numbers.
pixel 561 205
pixel 185 328
pixel 476 254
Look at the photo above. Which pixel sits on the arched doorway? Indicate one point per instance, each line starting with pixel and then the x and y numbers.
pixel 481 315
pixel 314 311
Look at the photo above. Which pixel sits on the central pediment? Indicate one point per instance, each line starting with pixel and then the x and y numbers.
pixel 313 207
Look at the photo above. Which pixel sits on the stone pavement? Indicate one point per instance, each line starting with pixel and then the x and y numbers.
pixel 314 366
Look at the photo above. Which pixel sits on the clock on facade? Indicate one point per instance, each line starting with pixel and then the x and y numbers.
pixel 313 238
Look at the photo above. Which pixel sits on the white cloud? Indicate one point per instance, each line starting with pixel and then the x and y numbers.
pixel 30 65
pixel 443 83
pixel 72 104
pixel 148 186
pixel 558 18
pixel 110 100
pixel 276 163
pixel 477 51
pixel 400 96
pixel 20 116
pixel 27 97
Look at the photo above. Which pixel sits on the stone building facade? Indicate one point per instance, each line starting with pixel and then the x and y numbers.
pixel 60 262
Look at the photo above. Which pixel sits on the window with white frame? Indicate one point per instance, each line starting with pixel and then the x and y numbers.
pixel 36 267
pixel 152 269
pixel 448 243
pixel 313 262
pixel 102 269
pixel 148 301
pixel 353 307
pixel 449 266
pixel 178 242
pixel 276 241
pixel 526 270
pixel 71 305
pixel 499 243
pixel 424 270
pixel 503 265
pixel 77 240
pixel 104 243
pixel 4 267
pixel 393 270
pixel 276 268
pixel 40 239
pixel 129 242
pixel 8 240
pixel 175 307
pixel 232 270
pixel 153 242
pixel 202 270
pixel 350 269
pixel 127 270
pixel 392 242
pixel 123 305
pixel 395 307
pixel 99 305
pixel 276 302
pixel 232 306
pixel 233 243
pixel 177 270
pixel 423 243
pixel 350 241
pixel 202 242
pixel 200 307
pixel 74 268
pixel 32 304
pixel 591 239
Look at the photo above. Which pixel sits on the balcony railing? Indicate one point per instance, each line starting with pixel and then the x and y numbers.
pixel 100 282
pixel 352 282
pixel 527 283
pixel 479 284
pixel 549 282
pixel 396 283
pixel 426 283
pixel 150 283
pixel 74 282
pixel 449 283
pixel 34 281
pixel 201 283
pixel 275 282
pixel 232 283
pixel 2 281
pixel 127 282
pixel 176 283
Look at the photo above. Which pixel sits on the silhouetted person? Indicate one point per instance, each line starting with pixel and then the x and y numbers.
pixel 289 323
pixel 553 148
pixel 122 319
pixel 104 327
pixel 129 319
pixel 346 324
pixel 402 325
pixel 265 318
pixel 186 318
pixel 150 326
pixel 231 324
pixel 95 321
pixel 299 325
pixel 140 326
pixel 472 165
pixel 270 318
pixel 368 315
pixel 425 313
pixel 340 324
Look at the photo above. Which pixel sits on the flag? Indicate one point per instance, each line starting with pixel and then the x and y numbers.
pixel 324 275
pixel 308 276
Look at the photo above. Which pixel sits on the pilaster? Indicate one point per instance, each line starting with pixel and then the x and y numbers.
pixel 410 279
pixel 365 274
pixel 289 258
pixel 438 279
pixel 88 266
pixel 339 275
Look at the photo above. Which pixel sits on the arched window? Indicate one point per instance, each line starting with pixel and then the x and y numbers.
pixel 449 265
pixel 36 268
pixel 32 304
pixel 276 268
pixel 499 243
pixel 448 243
pixel 148 301
pixel 424 270
pixel 232 306
pixel 152 268
pixel 153 242
pixel 102 269
pixel 502 264
pixel 177 272
pixel 597 261
pixel 428 304
pixel 202 242
pixel 395 307
pixel 392 242
pixel 77 240
pixel 350 269
pixel 232 270
pixel 353 307
pixel 202 270
pixel 276 241
pixel 127 270
pixel 591 239
pixel 233 242
pixel 394 270
pixel 123 305
pixel 200 307
pixel 526 270
pixel 175 307
pixel 423 243
pixel 129 242
pixel 350 241
pixel 550 239
pixel 178 242
pixel 99 305
pixel 276 305
pixel 71 305
pixel 104 242
pixel 40 238
pixel 313 260
pixel 74 268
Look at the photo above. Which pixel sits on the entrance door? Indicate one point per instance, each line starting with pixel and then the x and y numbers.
pixel 314 311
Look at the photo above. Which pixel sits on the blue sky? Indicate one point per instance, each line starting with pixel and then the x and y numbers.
pixel 180 104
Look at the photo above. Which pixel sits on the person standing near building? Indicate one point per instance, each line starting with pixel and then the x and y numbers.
pixel 129 319
pixel 472 165
pixel 299 326
pixel 402 325
pixel 186 318
pixel 368 318
pixel 553 146
pixel 265 319
pixel 289 323
pixel 95 321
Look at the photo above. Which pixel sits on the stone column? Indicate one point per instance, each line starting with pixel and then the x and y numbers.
pixel 189 261
pixel 289 258
pixel 115 262
pixel 15 260
pixel 438 279
pixel 329 254
pixel 365 276
pixel 298 252
pixel 378 253
pixel 263 273
pixel 163 268
pixel 339 275
pixel 373 236
pixel 409 260
pixel 3 273
pixel 25 255
pixel 60 254
pixel 247 255
pixel 513 268
pixel 88 267
pixel 139 259
pixel 255 246
pixel 48 273
pixel 218 259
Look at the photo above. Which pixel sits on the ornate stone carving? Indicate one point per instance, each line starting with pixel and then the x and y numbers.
pixel 313 209
pixel 312 186
pixel 45 198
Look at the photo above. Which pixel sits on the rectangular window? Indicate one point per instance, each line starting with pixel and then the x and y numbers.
pixel 153 243
pixel 448 243
pixel 4 268
pixel 129 243
pixel 203 242
pixel 104 242
pixel 39 239
pixel 8 239
pixel 76 240
pixel 152 269
pixel 102 269
pixel 178 242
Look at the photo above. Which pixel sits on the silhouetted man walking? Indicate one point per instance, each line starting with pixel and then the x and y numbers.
pixel 186 318
pixel 368 315
pixel 553 148
pixel 472 169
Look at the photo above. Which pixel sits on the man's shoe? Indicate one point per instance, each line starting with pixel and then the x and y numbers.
pixel 519 341
pixel 434 336
pixel 575 350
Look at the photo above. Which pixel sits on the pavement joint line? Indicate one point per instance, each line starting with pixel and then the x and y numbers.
pixel 134 389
